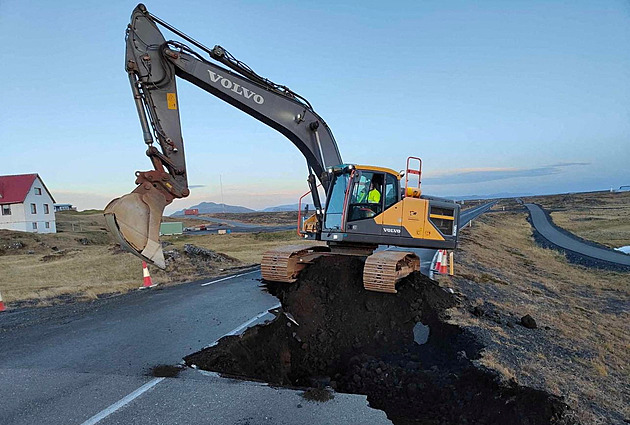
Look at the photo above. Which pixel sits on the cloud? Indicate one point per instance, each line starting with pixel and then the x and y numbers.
pixel 481 175
pixel 569 164
pixel 196 186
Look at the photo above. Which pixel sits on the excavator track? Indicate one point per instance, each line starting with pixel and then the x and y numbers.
pixel 384 268
pixel 285 263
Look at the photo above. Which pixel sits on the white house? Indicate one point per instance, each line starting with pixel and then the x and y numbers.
pixel 26 204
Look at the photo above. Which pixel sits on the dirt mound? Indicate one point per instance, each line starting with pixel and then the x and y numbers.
pixel 208 254
pixel 331 332
pixel 58 254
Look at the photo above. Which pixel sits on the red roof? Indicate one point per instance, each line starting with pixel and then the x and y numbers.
pixel 13 189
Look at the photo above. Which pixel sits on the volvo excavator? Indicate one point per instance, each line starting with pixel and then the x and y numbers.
pixel 364 206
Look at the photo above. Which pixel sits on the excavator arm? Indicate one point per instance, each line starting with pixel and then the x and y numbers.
pixel 152 64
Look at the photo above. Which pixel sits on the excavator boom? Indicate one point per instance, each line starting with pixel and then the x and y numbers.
pixel 152 64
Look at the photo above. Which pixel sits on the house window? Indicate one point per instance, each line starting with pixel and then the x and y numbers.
pixel 34 226
pixel 6 210
pixel 46 209
pixel 38 191
pixel 48 225
pixel 33 209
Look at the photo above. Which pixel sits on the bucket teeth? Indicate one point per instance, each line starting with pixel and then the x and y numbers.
pixel 284 264
pixel 384 268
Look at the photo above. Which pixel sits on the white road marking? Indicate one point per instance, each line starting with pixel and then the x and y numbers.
pixel 250 321
pixel 237 330
pixel 152 383
pixel 229 277
pixel 122 402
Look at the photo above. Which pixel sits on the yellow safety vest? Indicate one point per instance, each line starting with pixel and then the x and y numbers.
pixel 374 197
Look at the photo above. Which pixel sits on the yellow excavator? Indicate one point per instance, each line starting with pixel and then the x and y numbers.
pixel 364 206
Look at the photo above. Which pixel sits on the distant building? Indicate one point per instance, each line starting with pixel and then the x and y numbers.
pixel 172 228
pixel 26 204
pixel 65 207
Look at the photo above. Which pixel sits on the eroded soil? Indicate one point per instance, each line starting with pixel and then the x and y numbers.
pixel 330 332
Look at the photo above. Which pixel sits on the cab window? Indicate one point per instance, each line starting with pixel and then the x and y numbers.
pixel 391 190
pixel 334 209
pixel 366 198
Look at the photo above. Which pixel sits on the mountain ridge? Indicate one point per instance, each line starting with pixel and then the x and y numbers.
pixel 212 207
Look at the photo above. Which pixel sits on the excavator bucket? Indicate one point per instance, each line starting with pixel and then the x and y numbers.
pixel 135 219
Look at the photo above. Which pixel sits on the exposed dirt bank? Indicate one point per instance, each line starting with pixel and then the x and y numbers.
pixel 331 332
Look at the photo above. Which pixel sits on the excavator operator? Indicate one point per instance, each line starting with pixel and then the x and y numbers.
pixel 374 196
pixel 369 197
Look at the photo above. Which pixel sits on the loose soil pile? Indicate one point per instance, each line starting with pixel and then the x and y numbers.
pixel 331 332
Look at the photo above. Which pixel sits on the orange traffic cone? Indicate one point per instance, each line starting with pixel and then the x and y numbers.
pixel 147 277
pixel 438 262
pixel 2 307
pixel 443 264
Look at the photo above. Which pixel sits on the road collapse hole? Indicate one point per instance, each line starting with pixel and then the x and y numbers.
pixel 395 348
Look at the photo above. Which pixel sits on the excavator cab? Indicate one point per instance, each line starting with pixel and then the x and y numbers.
pixel 373 206
pixel 355 194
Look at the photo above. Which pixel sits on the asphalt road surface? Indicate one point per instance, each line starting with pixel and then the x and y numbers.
pixel 89 363
pixel 549 232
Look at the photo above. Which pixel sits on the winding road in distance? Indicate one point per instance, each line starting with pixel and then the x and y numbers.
pixel 558 238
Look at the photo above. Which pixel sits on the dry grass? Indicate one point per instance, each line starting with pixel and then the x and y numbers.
pixel 86 273
pixel 49 268
pixel 583 355
pixel 601 217
pixel 489 361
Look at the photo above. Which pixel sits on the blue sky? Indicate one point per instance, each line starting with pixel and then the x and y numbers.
pixel 495 96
